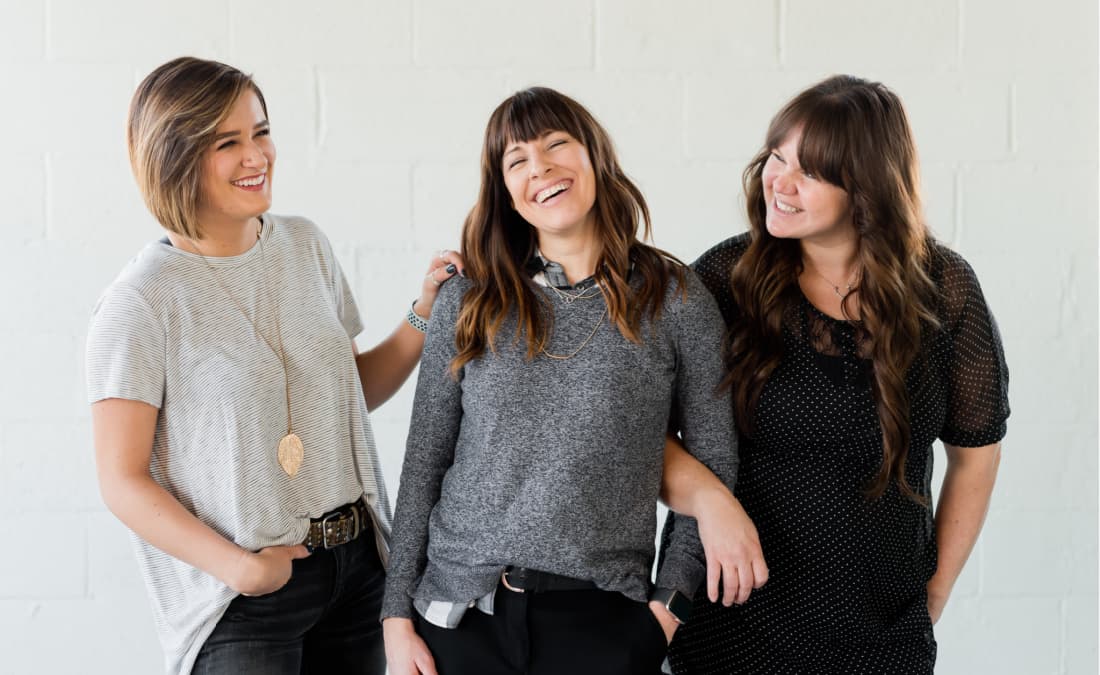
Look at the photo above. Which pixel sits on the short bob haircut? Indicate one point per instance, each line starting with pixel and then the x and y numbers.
pixel 173 117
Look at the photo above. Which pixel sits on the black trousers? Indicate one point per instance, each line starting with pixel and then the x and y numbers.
pixel 551 633
pixel 325 620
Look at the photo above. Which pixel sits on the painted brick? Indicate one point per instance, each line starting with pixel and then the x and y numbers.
pixel 48 467
pixel 352 201
pixel 46 121
pixel 1017 35
pixel 93 199
pixel 686 36
pixel 290 91
pixel 955 117
pixel 488 34
pixel 443 194
pixel 125 30
pixel 402 115
pixel 997 217
pixel 642 132
pixel 693 206
pixel 45 379
pixel 110 635
pixel 1048 568
pixel 1017 635
pixel 861 32
pixel 57 567
pixel 940 195
pixel 1053 120
pixel 22 32
pixel 23 192
pixel 331 32
pixel 1079 634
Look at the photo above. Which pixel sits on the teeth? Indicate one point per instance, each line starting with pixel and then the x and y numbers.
pixel 549 192
pixel 786 208
pixel 250 182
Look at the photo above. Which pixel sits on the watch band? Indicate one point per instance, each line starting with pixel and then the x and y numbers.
pixel 677 604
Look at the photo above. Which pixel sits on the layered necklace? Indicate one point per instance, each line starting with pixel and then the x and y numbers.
pixel 569 298
pixel 291 453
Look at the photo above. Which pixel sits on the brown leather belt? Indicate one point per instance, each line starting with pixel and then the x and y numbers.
pixel 338 526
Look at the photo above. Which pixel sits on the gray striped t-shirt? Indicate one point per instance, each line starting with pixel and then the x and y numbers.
pixel 166 333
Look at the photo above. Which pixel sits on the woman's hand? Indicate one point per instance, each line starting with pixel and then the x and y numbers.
pixel 665 618
pixel 732 547
pixel 406 652
pixel 444 265
pixel 936 603
pixel 267 570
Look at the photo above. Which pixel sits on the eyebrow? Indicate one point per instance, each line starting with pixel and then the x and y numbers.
pixel 225 134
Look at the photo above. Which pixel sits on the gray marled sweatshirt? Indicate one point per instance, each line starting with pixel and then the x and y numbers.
pixel 556 464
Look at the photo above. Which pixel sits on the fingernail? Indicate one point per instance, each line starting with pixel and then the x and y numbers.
pixel 451 269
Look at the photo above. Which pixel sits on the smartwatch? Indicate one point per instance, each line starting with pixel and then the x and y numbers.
pixel 677 604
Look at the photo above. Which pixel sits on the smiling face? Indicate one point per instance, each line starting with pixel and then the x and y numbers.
pixel 800 205
pixel 237 167
pixel 551 183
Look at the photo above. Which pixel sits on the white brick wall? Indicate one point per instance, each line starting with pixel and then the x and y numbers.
pixel 378 109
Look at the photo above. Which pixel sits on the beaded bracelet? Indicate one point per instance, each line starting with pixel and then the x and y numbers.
pixel 415 320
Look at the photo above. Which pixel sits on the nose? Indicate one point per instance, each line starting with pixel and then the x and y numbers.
pixel 783 182
pixel 537 165
pixel 253 155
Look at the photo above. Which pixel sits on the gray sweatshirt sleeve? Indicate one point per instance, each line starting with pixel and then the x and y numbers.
pixel 706 424
pixel 429 452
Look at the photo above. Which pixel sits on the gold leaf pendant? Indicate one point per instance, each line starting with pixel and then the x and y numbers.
pixel 291 454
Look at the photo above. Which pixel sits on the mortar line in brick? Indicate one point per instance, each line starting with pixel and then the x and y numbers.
pixel 47 12
pixel 780 30
pixel 319 130
pixel 1013 145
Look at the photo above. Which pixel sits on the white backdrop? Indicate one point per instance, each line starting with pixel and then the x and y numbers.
pixel 378 108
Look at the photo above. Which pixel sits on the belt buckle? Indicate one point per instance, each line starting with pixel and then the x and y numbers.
pixel 324 530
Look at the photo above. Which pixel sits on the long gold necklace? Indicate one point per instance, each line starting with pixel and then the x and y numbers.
pixel 291 452
pixel 569 299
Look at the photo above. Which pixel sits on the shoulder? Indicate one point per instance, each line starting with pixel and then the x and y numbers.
pixel 721 257
pixel 451 294
pixel 954 277
pixel 296 228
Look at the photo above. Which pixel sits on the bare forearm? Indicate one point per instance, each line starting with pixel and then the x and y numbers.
pixel 383 369
pixel 964 502
pixel 687 483
pixel 157 517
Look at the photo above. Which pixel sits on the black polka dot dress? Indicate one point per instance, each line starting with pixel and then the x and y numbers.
pixel 847 575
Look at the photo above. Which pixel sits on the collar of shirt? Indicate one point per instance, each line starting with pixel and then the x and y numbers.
pixel 549 273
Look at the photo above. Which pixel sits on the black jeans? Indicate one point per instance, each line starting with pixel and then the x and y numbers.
pixel 325 620
pixel 552 633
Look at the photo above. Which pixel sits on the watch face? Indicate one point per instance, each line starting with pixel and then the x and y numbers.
pixel 678 605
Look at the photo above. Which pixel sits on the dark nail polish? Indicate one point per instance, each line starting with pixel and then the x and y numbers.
pixel 451 269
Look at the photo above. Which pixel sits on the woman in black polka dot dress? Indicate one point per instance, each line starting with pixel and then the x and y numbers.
pixel 855 341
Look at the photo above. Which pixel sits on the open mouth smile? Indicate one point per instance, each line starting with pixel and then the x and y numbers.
pixel 542 197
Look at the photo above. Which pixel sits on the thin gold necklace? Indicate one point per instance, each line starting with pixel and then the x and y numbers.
pixel 291 452
pixel 569 300
pixel 849 287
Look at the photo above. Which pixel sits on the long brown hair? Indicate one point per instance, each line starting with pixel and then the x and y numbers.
pixel 855 135
pixel 173 117
pixel 497 242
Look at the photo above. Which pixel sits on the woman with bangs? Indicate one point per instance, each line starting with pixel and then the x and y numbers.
pixel 855 341
pixel 523 537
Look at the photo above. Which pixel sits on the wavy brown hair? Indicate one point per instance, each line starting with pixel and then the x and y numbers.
pixel 497 242
pixel 855 135
pixel 172 121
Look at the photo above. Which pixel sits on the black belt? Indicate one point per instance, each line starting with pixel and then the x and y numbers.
pixel 522 579
pixel 338 526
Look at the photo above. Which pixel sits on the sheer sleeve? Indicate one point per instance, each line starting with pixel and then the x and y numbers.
pixel 971 359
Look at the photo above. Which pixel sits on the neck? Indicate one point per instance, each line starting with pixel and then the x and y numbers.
pixel 576 254
pixel 835 260
pixel 220 240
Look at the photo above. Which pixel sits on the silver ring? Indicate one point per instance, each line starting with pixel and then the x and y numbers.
pixel 442 254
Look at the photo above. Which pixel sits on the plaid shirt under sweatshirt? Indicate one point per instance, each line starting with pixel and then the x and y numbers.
pixel 554 464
